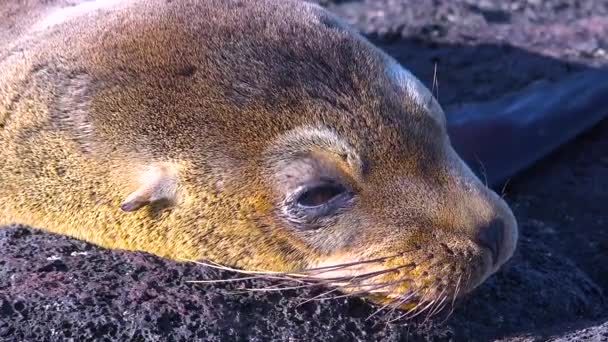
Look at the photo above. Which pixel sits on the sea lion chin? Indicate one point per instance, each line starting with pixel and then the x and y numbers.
pixel 262 135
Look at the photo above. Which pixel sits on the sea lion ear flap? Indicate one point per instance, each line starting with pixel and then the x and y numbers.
pixel 158 183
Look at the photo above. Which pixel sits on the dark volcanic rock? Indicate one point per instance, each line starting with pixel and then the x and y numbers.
pixel 56 288
pixel 53 288
pixel 593 333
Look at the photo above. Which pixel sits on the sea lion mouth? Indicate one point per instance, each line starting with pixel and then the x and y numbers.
pixel 397 285
pixel 407 300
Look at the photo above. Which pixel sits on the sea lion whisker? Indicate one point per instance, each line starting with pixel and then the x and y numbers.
pixel 438 308
pixel 399 302
pixel 504 188
pixel 318 296
pixel 312 283
pixel 264 274
pixel 344 265
pixel 424 309
pixel 383 271
pixel 393 282
pixel 453 303
pixel 278 289
pixel 375 287
pixel 378 310
pixel 226 268
pixel 215 265
pixel 324 296
pixel 380 286
pixel 440 299
pixel 444 304
pixel 219 281
pixel 348 279
pixel 406 315
pixel 233 292
pixel 441 304
pixel 233 280
pixel 457 287
pixel 435 84
pixel 482 170
pixel 469 274
pixel 432 306
pixel 411 314
pixel 286 285
pixel 357 277
pixel 420 302
pixel 349 283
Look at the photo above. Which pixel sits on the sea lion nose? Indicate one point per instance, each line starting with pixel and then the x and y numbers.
pixel 491 236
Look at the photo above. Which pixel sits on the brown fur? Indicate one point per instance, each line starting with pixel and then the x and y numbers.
pixel 236 99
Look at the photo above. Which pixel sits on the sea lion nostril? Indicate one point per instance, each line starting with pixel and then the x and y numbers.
pixel 491 237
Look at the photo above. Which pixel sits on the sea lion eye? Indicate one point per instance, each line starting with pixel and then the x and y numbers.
pixel 320 194
pixel 313 203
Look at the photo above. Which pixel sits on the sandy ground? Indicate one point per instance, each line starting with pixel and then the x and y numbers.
pixel 55 288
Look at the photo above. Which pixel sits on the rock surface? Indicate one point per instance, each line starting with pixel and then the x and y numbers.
pixel 55 288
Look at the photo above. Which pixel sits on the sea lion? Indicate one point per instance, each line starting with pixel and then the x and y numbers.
pixel 262 135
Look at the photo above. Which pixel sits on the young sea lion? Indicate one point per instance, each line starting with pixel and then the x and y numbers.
pixel 264 135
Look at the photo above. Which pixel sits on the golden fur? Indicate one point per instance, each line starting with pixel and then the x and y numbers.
pixel 181 128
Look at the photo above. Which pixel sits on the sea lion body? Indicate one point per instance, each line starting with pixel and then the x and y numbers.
pixel 263 135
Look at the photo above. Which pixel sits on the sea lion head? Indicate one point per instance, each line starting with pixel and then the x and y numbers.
pixel 286 141
pixel 365 181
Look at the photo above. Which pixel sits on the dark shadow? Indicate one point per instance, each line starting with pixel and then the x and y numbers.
pixel 521 105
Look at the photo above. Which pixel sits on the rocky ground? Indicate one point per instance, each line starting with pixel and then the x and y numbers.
pixel 55 288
